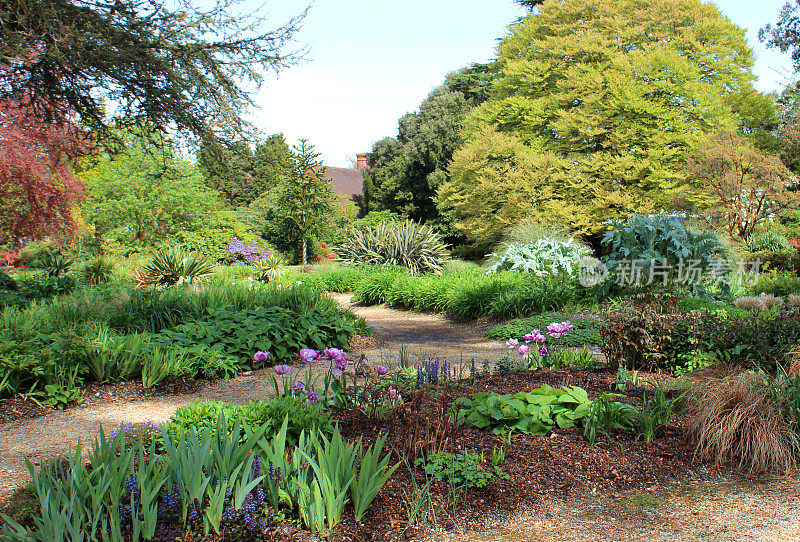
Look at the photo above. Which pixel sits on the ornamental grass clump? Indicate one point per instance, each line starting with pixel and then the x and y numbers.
pixel 735 415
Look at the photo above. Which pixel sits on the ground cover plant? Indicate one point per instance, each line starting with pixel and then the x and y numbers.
pixel 586 332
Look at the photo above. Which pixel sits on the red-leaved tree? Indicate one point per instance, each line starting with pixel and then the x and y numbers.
pixel 37 186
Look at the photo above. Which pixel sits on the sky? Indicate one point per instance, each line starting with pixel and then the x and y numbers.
pixel 369 62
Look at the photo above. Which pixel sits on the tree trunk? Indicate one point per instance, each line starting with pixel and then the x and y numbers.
pixel 305 260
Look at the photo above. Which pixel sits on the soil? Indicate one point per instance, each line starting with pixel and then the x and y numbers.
pixel 561 489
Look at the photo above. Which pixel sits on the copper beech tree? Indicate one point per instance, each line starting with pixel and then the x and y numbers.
pixel 735 184
pixel 37 185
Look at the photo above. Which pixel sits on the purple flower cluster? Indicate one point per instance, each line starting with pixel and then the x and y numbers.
pixel 339 359
pixel 134 433
pixel 559 329
pixel 554 329
pixel 260 357
pixel 238 254
pixel 434 372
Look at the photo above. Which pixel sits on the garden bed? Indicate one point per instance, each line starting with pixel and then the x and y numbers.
pixel 559 465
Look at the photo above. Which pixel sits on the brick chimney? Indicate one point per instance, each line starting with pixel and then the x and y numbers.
pixel 361 162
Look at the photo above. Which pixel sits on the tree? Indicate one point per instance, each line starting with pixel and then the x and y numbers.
pixel 170 63
pixel 407 170
pixel 37 186
pixel 304 207
pixel 614 94
pixel 734 183
pixel 785 35
pixel 145 190
pixel 240 175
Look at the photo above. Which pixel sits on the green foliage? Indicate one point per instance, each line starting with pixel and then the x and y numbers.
pixel 766 240
pixel 304 204
pixel 280 331
pixel 214 233
pixel 605 415
pixel 270 268
pixel 373 473
pixel 575 128
pixel 407 170
pixel 373 218
pixel 266 414
pixel 172 265
pixel 98 270
pixel 544 257
pixel 586 332
pixel 145 190
pixel 632 247
pixel 657 411
pixel 775 283
pixel 531 412
pixel 413 246
pixel 374 289
pixel 458 470
pixel 56 264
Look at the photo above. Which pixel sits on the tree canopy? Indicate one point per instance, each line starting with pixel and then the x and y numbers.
pixel 172 64
pixel 145 191
pixel 408 169
pixel 37 186
pixel 599 101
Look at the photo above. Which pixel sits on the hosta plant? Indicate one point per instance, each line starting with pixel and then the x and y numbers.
pixel 544 257
pixel 173 265
pixel 408 244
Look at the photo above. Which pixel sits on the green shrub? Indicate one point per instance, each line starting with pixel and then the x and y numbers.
pixel 375 288
pixel 268 414
pixel 414 246
pixel 461 470
pixel 775 283
pixel 586 332
pixel 544 257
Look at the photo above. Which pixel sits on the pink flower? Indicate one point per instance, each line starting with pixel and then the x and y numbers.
pixel 335 354
pixel 534 336
pixel 381 370
pixel 523 350
pixel 298 386
pixel 260 357
pixel 512 343
pixel 308 355
pixel 282 369
pixel 392 391
pixel 312 396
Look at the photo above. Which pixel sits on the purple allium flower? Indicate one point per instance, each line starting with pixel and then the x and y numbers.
pixel 523 350
pixel 260 357
pixel 298 386
pixel 282 369
pixel 381 370
pixel 312 396
pixel 308 355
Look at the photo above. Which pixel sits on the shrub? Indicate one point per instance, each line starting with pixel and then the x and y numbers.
pixel 56 264
pixel 733 415
pixel 633 246
pixel 751 304
pixel 634 335
pixel 544 257
pixel 414 246
pixel 375 288
pixel 174 265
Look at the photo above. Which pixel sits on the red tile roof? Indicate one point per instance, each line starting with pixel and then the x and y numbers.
pixel 346 182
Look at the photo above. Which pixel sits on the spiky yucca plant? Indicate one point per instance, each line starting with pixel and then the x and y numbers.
pixel 270 268
pixel 57 264
pixel 408 244
pixel 175 265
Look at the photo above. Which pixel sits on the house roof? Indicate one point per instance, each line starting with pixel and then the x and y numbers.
pixel 346 182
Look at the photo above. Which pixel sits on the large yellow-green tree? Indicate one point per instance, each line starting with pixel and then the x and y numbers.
pixel 594 110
